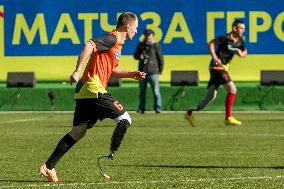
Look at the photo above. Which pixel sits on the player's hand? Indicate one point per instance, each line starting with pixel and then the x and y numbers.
pixel 217 61
pixel 139 75
pixel 74 78
pixel 239 52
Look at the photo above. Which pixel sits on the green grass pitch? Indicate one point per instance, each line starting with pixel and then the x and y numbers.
pixel 158 151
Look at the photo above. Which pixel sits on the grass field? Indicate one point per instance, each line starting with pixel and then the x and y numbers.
pixel 158 151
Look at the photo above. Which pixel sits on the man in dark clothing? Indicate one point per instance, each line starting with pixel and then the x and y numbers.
pixel 151 61
pixel 227 46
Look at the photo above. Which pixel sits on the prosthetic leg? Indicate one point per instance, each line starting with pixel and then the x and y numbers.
pixel 118 135
pixel 116 140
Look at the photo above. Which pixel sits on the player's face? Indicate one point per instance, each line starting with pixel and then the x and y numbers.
pixel 240 29
pixel 132 30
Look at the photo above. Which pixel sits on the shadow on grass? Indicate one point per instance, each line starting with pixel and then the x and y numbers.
pixel 205 166
pixel 31 181
pixel 23 181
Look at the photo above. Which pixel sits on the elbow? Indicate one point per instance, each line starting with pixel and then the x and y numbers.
pixel 88 45
pixel 208 45
pixel 136 57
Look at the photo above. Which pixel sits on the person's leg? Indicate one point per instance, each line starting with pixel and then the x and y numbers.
pixel 209 97
pixel 83 119
pixel 48 169
pixel 155 85
pixel 211 94
pixel 231 93
pixel 122 123
pixel 142 95
pixel 65 144
pixel 109 107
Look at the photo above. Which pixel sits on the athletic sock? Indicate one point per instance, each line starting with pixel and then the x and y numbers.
pixel 229 104
pixel 189 112
pixel 62 147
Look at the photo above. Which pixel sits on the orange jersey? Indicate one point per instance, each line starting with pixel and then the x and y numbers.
pixel 107 51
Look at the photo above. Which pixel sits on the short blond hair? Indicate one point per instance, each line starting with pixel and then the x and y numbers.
pixel 125 19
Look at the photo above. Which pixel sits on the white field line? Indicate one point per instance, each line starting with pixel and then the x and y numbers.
pixel 150 112
pixel 146 182
pixel 20 120
pixel 236 134
pixel 36 112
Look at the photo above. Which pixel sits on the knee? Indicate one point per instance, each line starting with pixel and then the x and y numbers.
pixel 212 95
pixel 78 132
pixel 124 124
pixel 124 117
pixel 233 90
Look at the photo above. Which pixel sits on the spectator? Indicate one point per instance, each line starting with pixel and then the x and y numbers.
pixel 151 61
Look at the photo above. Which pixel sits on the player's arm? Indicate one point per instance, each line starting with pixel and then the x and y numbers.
pixel 242 52
pixel 102 43
pixel 211 49
pixel 128 74
pixel 83 57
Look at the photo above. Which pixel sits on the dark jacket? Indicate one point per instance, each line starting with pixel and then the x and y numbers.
pixel 154 60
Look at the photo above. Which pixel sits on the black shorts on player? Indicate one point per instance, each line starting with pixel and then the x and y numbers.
pixel 218 77
pixel 90 110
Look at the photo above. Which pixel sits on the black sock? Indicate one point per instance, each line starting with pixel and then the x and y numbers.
pixel 62 147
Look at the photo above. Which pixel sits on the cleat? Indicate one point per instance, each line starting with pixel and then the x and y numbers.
pixel 232 121
pixel 189 117
pixel 50 175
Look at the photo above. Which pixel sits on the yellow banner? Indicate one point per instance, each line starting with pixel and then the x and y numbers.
pixel 59 68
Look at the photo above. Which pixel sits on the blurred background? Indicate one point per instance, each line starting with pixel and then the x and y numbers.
pixel 45 38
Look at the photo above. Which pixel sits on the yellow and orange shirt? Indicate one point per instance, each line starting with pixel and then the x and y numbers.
pixel 105 57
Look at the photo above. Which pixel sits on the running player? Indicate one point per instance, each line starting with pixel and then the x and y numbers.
pixel 227 46
pixel 93 103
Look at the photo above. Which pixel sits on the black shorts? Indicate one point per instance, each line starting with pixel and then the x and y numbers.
pixel 91 109
pixel 218 77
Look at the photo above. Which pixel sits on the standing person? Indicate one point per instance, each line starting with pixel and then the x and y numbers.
pixel 227 46
pixel 151 61
pixel 93 103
